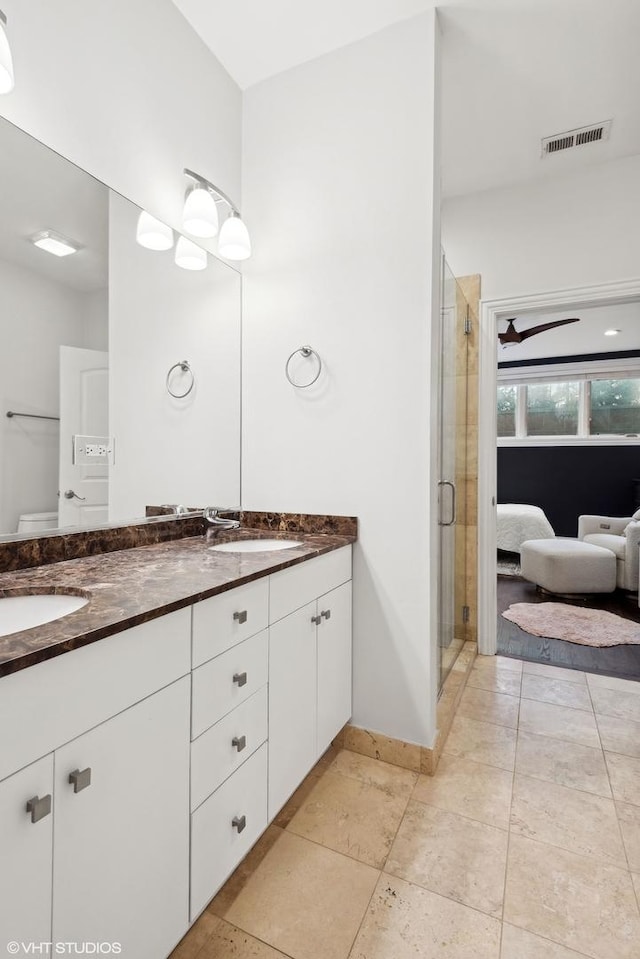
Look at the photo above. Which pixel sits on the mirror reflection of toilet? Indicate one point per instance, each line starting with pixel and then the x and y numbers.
pixel 37 522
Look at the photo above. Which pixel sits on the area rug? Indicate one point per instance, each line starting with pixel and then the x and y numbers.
pixel 575 624
pixel 508 566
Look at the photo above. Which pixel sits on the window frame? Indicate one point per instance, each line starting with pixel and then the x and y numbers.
pixel 584 373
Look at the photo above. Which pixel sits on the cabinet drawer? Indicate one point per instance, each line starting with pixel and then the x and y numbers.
pixel 55 701
pixel 292 588
pixel 214 756
pixel 215 692
pixel 226 620
pixel 217 846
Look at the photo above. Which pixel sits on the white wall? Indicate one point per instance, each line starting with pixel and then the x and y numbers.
pixel 568 232
pixel 338 171
pixel 128 91
pixel 36 318
pixel 170 450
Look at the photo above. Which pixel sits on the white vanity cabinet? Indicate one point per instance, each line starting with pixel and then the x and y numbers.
pixel 106 859
pixel 136 772
pixel 309 667
pixel 121 841
pixel 26 849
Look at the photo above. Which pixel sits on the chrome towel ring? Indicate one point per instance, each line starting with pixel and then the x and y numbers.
pixel 184 366
pixel 307 352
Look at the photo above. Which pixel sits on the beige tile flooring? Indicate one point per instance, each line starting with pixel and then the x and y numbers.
pixel 524 845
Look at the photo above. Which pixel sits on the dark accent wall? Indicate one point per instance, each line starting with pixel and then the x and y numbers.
pixel 566 481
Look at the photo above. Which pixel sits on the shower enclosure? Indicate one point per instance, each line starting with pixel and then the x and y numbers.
pixel 454 489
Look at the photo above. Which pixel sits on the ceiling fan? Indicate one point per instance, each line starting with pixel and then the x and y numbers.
pixel 511 336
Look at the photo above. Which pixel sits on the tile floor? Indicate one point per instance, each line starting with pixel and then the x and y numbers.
pixel 524 845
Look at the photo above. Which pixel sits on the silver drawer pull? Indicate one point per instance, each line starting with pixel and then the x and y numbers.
pixel 80 779
pixel 240 679
pixel 239 742
pixel 39 808
pixel 326 613
pixel 316 620
pixel 239 822
pixel 241 617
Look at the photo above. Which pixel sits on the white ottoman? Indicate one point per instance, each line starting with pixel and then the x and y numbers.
pixel 568 566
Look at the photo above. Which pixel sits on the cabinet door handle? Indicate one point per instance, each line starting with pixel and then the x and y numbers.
pixel 39 808
pixel 241 617
pixel 240 679
pixel 239 742
pixel 316 620
pixel 326 613
pixel 80 779
pixel 239 822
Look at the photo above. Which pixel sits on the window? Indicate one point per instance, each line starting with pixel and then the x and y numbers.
pixel 615 407
pixel 566 407
pixel 552 409
pixel 506 411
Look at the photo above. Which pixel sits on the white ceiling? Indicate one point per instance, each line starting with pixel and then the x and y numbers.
pixel 40 190
pixel 587 336
pixel 514 71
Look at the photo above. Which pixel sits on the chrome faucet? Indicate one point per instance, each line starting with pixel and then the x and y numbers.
pixel 212 516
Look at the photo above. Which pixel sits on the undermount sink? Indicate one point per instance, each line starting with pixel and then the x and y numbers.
pixel 25 612
pixel 255 545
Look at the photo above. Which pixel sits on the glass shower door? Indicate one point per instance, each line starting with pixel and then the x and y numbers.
pixel 452 473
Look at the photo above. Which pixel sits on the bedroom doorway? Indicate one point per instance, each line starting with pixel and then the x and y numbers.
pixel 546 406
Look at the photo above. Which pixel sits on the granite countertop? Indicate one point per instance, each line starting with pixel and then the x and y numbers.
pixel 132 586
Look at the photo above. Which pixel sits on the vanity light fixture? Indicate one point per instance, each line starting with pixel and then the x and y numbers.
pixel 54 243
pixel 189 255
pixel 7 81
pixel 153 234
pixel 200 215
pixel 203 197
pixel 611 332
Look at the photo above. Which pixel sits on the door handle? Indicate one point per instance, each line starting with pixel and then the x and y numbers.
pixel 453 502
pixel 71 494
pixel 316 620
pixel 239 742
pixel 240 679
pixel 39 808
pixel 80 779
pixel 241 617
pixel 239 822
pixel 325 614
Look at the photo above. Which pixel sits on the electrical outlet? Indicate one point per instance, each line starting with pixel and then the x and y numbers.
pixel 93 450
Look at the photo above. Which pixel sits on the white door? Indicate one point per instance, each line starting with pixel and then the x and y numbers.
pixel 84 411
pixel 26 850
pixel 292 704
pixel 121 864
pixel 334 664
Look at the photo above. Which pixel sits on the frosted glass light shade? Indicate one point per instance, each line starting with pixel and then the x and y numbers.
pixel 6 63
pixel 234 242
pixel 189 255
pixel 200 216
pixel 153 234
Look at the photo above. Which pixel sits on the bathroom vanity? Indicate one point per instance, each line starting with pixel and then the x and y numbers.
pixel 148 739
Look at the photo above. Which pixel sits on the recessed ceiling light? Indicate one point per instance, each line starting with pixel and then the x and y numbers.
pixel 54 243
pixel 611 332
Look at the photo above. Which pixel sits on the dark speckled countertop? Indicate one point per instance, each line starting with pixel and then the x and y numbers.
pixel 132 586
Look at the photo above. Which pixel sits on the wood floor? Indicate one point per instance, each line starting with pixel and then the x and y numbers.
pixel 623 661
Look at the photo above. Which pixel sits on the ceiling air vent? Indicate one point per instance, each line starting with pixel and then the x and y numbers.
pixel 576 138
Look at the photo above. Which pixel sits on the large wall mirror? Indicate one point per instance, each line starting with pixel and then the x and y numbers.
pixel 87 340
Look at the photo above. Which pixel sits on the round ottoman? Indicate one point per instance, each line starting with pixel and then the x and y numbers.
pixel 568 566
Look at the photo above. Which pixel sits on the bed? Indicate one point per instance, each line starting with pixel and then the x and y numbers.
pixel 518 522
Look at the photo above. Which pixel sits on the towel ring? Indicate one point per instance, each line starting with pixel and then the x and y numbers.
pixel 184 366
pixel 305 351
